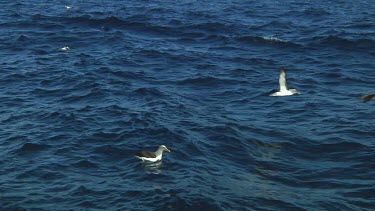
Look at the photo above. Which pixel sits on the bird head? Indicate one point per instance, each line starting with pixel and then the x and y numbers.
pixel 164 148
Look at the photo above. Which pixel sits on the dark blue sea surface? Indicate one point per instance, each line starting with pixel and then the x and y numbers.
pixel 86 84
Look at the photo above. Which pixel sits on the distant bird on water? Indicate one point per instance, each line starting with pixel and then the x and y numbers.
pixel 367 98
pixel 152 156
pixel 65 48
pixel 283 90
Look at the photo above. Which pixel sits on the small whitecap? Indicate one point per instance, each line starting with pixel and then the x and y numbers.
pixel 68 7
pixel 273 39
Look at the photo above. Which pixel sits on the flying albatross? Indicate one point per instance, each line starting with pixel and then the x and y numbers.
pixel 367 98
pixel 152 156
pixel 284 91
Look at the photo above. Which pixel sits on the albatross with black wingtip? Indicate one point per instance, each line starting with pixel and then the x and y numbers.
pixel 283 90
pixel 152 156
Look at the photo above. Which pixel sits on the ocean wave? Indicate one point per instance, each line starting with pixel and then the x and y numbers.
pixel 216 38
pixel 30 147
pixel 277 24
pixel 50 92
pixel 51 176
pixel 340 42
pixel 273 39
pixel 208 81
pixel 343 149
pixel 86 97
pixel 365 24
pixel 56 116
pixel 53 23
pixel 85 164
pixel 82 190
pixel 163 132
pixel 195 76
pixel 147 91
pixel 105 136
pixel 315 12
pixel 266 40
pixel 110 151
pixel 361 193
pixel 113 22
pixel 185 204
pixel 22 38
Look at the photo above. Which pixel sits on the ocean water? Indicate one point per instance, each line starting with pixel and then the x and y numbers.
pixel 86 84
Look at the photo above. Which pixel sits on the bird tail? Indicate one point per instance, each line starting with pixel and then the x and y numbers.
pixel 364 99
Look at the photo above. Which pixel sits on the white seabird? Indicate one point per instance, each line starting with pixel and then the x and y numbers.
pixel 65 48
pixel 152 156
pixel 284 91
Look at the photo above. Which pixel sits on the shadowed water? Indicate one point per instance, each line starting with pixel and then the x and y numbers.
pixel 194 76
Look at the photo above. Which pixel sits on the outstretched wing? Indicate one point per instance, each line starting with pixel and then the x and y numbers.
pixel 146 154
pixel 282 80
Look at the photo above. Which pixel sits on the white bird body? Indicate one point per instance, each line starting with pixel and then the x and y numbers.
pixel 65 48
pixel 283 90
pixel 151 159
pixel 152 156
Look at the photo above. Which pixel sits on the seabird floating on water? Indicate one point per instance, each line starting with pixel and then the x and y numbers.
pixel 367 98
pixel 284 91
pixel 152 156
pixel 65 48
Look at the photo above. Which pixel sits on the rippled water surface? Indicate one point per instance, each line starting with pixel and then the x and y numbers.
pixel 86 84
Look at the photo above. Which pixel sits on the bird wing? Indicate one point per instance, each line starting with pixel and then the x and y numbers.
pixel 367 98
pixel 146 154
pixel 282 80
